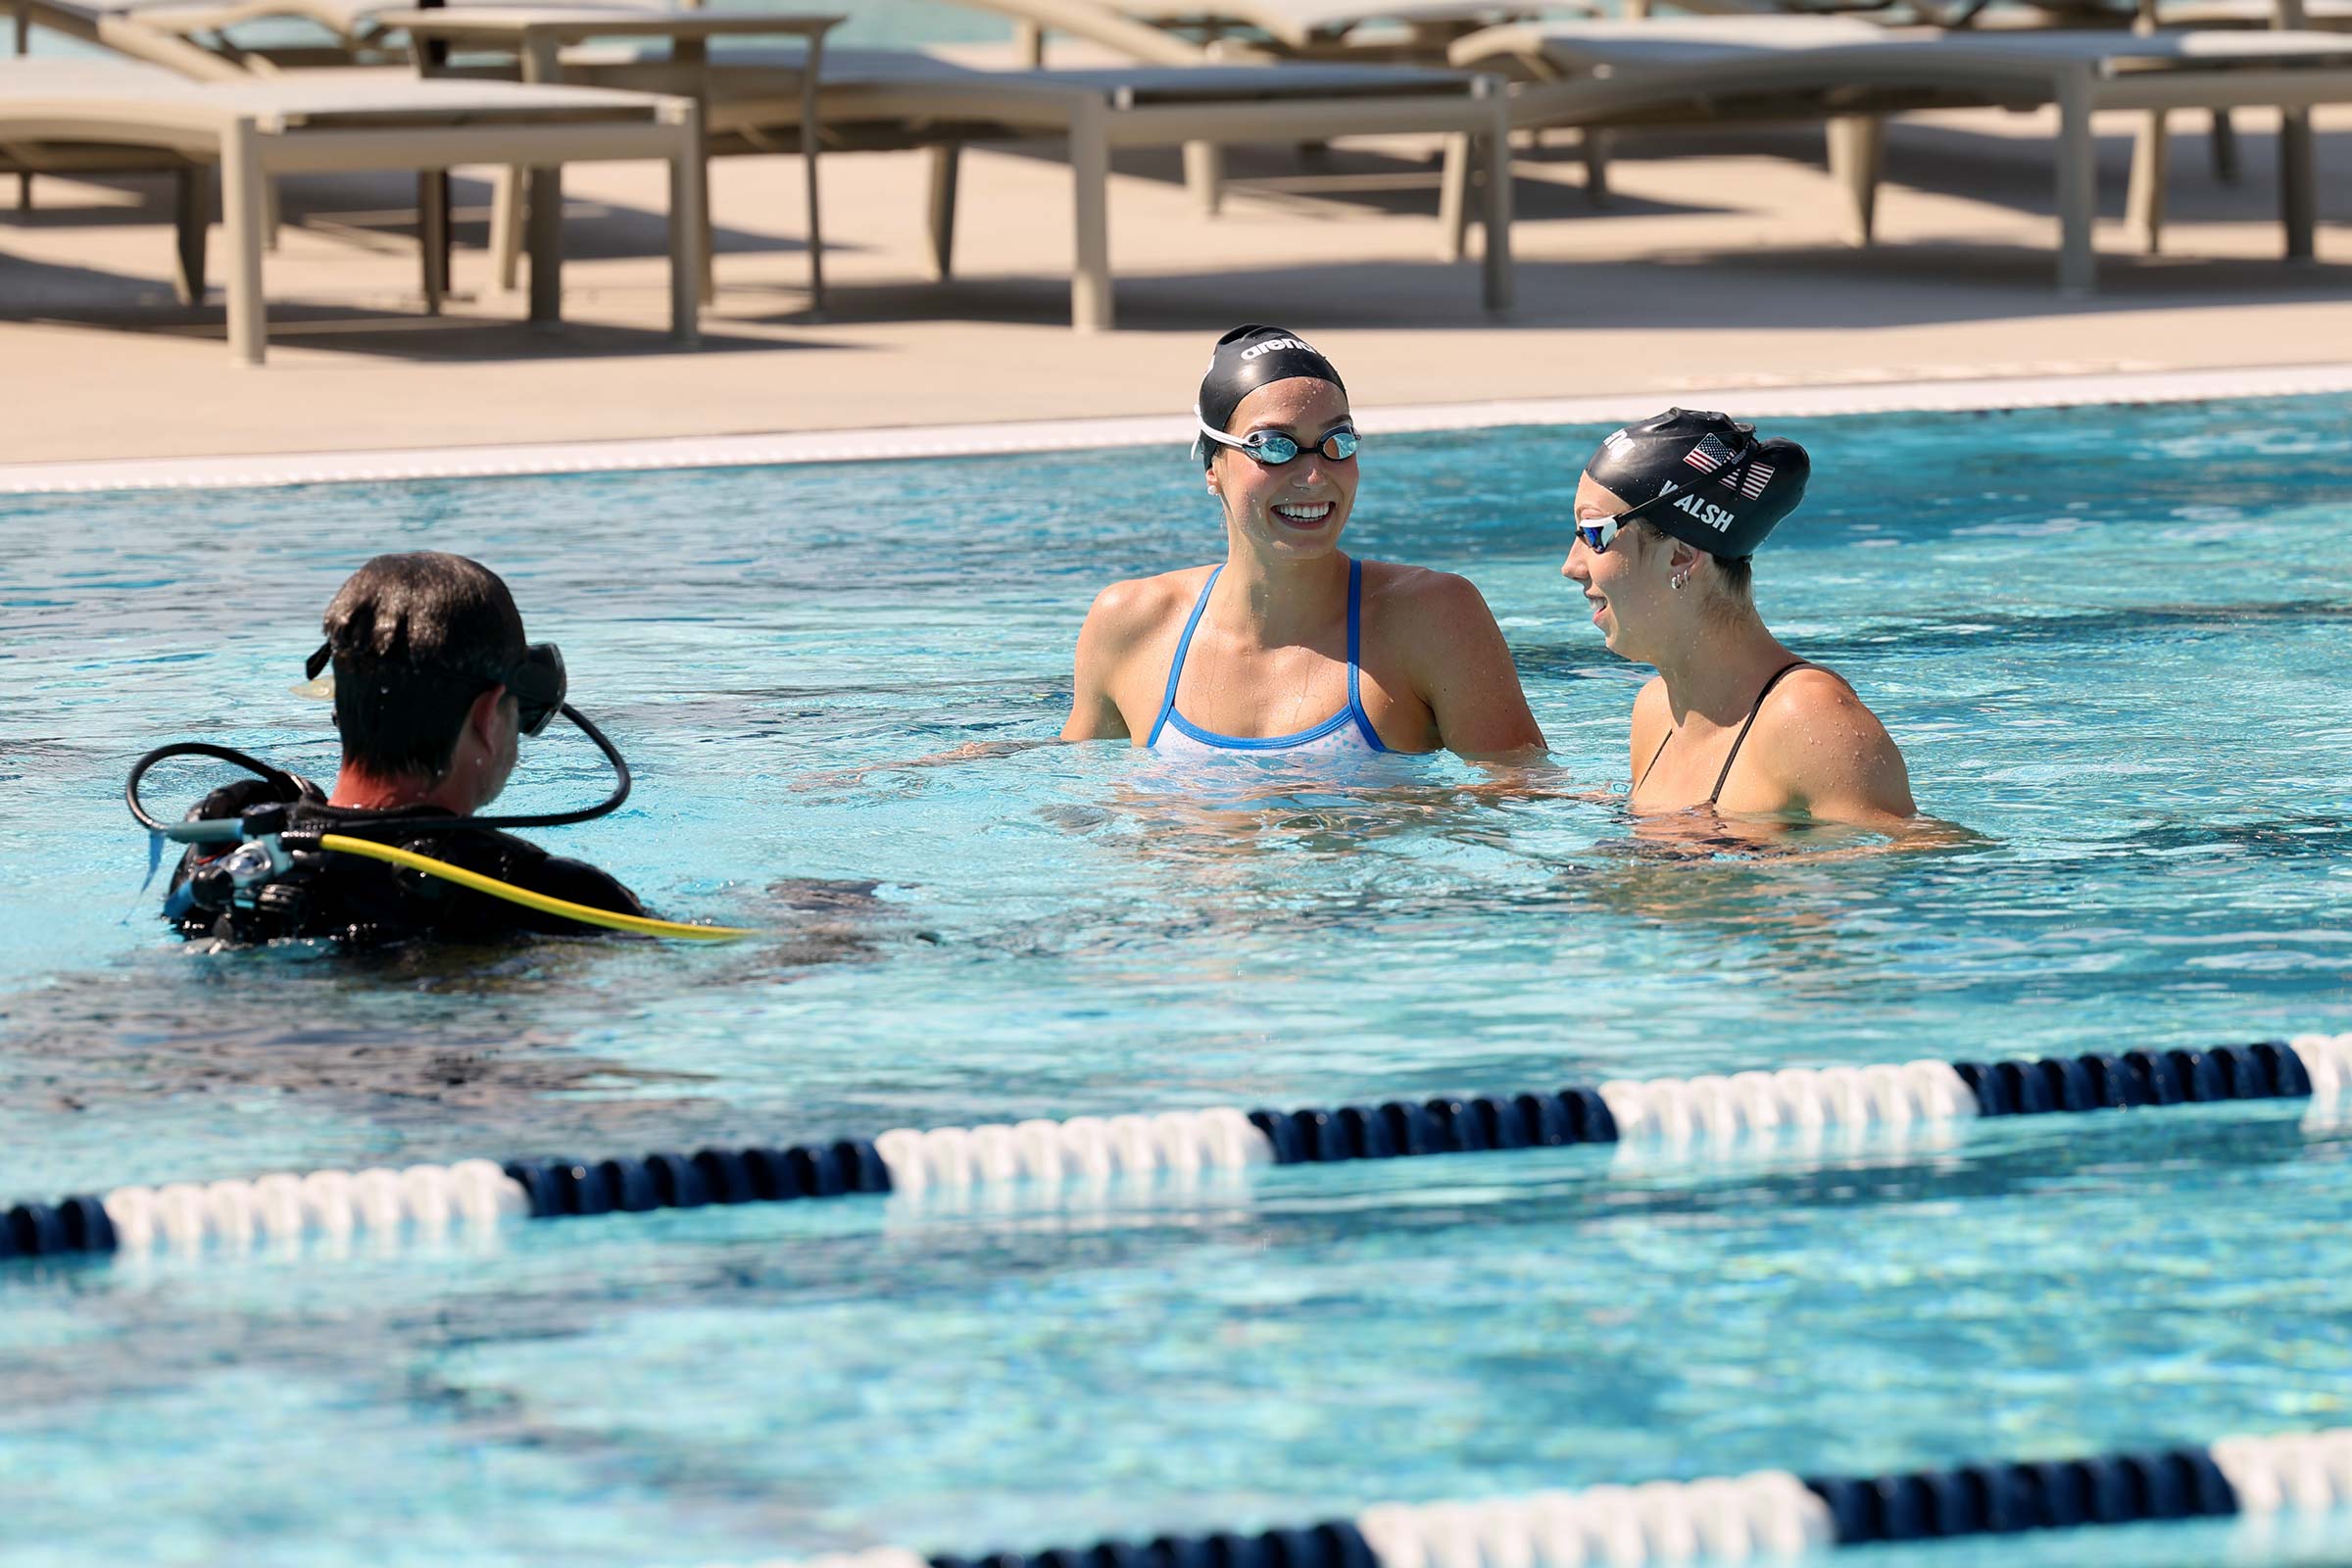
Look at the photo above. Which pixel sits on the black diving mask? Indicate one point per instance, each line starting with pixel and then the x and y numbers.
pixel 536 680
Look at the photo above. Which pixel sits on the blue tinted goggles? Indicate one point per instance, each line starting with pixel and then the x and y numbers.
pixel 1272 448
pixel 1598 533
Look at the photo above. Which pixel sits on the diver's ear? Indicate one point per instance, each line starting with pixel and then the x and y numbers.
pixel 483 718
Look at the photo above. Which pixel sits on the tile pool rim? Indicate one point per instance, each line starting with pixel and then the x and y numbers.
pixel 899 442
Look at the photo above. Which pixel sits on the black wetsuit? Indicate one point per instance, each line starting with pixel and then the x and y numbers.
pixel 367 903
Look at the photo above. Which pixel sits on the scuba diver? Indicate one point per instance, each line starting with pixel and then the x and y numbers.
pixel 433 688
pixel 1289 646
pixel 1669 514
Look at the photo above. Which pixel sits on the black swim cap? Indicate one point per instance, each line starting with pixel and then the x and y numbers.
pixel 1703 478
pixel 1246 359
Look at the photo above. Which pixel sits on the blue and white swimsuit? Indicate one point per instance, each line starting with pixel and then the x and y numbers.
pixel 1348 730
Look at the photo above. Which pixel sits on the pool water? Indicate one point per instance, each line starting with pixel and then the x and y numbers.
pixel 2110 641
pixel 865 24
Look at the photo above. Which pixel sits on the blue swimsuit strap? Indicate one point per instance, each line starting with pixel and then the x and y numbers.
pixel 1355 697
pixel 1355 620
pixel 1183 645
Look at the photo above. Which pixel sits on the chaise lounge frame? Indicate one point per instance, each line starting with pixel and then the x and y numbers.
pixel 1667 74
pixel 253 131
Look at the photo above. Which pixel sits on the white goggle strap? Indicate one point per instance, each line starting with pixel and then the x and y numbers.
pixel 1202 434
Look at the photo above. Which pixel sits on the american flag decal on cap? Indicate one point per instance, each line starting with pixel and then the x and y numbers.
pixel 1709 456
pixel 1752 482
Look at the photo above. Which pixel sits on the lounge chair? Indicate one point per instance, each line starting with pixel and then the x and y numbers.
pixel 897 100
pixel 193 38
pixel 756 102
pixel 1713 71
pixel 55 112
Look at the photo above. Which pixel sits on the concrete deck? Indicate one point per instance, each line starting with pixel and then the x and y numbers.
pixel 1718 265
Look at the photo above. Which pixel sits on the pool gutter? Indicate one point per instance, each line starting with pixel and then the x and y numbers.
pixel 1991 394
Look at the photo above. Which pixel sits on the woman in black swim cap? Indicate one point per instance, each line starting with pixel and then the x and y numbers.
pixel 1290 645
pixel 1668 515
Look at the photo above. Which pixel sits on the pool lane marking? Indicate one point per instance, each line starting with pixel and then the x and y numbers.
pixel 1765 1514
pixel 895 443
pixel 1658 1116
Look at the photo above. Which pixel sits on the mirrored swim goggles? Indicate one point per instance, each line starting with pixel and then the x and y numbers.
pixel 1598 533
pixel 536 681
pixel 1271 449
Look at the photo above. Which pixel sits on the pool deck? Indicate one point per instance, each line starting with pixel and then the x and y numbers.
pixel 1717 266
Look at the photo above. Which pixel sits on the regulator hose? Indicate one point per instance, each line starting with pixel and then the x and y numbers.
pixel 227 829
pixel 586 914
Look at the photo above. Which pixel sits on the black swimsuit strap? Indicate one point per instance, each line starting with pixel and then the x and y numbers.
pixel 1740 739
pixel 1653 760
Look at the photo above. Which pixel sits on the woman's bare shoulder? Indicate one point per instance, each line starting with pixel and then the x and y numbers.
pixel 1818 692
pixel 1824 742
pixel 1397 582
pixel 1421 601
pixel 1136 608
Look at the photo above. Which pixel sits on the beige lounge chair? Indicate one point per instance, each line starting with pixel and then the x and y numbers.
pixel 219 39
pixel 757 100
pixel 1683 71
pixel 241 40
pixel 252 131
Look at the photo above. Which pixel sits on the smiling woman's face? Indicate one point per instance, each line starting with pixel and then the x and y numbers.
pixel 1292 508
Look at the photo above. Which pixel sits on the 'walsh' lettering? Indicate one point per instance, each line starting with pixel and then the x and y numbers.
pixel 1706 512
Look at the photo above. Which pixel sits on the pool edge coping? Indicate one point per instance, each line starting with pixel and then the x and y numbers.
pixel 1989 394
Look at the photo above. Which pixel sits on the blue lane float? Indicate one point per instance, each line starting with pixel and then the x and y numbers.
pixel 1770 1514
pixel 1662 1115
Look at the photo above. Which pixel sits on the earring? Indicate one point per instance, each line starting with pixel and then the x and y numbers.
pixel 1679 579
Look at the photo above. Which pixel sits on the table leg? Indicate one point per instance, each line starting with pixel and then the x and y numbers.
pixel 545 242
pixel 433 218
pixel 192 217
pixel 543 220
pixel 1498 139
pixel 433 235
pixel 2151 164
pixel 1453 197
pixel 241 224
pixel 1596 151
pixel 506 225
pixel 2078 186
pixel 1204 175
pixel 1090 173
pixel 1857 155
pixel 2298 165
pixel 687 199
pixel 693 58
pixel 812 134
pixel 946 160
pixel 2224 147
pixel 23 15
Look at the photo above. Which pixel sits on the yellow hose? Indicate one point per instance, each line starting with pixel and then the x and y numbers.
pixel 584 914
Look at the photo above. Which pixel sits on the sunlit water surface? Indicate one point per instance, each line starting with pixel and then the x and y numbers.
pixel 2112 642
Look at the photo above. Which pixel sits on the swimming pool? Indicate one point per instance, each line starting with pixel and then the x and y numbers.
pixel 2111 640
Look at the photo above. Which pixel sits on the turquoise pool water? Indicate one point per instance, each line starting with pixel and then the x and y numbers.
pixel 2111 640
pixel 870 24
